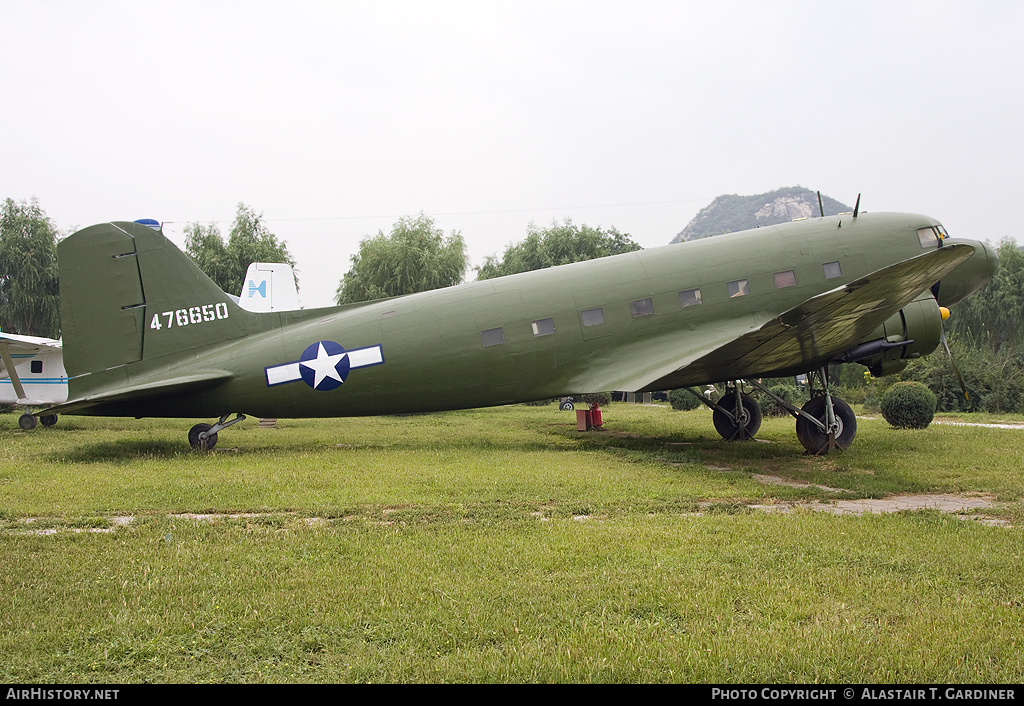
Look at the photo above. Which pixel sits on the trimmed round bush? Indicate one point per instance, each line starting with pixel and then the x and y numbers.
pixel 908 405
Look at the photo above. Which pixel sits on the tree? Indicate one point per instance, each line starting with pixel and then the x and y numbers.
pixel 29 291
pixel 995 313
pixel 249 241
pixel 415 257
pixel 559 244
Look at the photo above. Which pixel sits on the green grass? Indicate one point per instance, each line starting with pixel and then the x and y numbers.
pixel 501 546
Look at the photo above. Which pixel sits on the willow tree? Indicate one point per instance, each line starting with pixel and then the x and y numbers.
pixel 29 291
pixel 249 241
pixel 994 315
pixel 558 244
pixel 416 256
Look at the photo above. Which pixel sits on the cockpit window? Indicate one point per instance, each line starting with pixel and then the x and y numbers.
pixel 929 237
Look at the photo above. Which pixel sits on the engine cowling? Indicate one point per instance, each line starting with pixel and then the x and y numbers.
pixel 912 332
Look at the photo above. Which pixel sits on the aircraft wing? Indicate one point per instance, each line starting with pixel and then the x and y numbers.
pixel 28 344
pixel 801 339
pixel 13 344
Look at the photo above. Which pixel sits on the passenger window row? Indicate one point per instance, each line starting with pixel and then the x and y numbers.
pixel 645 307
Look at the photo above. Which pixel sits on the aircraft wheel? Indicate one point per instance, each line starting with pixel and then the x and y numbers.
pixel 202 444
pixel 748 424
pixel 27 421
pixel 48 420
pixel 813 438
pixel 566 406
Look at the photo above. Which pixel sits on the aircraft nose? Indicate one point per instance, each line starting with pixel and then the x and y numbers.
pixel 969 277
pixel 992 259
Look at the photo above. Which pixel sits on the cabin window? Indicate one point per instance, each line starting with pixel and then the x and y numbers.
pixel 832 269
pixel 543 327
pixel 492 337
pixel 37 366
pixel 691 297
pixel 785 279
pixel 928 237
pixel 641 307
pixel 738 288
pixel 592 317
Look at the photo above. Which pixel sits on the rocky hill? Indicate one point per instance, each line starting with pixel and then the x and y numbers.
pixel 730 213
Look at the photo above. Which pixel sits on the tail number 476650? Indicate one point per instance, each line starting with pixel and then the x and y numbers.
pixel 191 315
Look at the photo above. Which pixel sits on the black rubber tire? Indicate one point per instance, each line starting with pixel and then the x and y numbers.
pixel 48 420
pixel 814 439
pixel 204 444
pixel 27 422
pixel 749 424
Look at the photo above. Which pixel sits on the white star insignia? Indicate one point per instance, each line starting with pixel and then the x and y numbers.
pixel 324 366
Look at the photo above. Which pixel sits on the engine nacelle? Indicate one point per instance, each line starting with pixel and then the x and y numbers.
pixel 914 331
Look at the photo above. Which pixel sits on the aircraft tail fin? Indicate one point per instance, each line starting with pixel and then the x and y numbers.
pixel 128 294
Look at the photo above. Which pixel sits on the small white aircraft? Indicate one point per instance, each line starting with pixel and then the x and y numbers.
pixel 32 375
pixel 32 368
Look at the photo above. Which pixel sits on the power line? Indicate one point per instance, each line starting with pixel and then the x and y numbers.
pixel 466 213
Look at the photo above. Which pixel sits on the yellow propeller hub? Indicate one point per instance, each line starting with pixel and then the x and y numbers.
pixel 945 312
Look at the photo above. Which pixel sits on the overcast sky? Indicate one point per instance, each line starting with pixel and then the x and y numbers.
pixel 334 119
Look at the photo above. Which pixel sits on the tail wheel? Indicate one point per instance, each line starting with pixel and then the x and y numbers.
pixel 814 438
pixel 202 443
pixel 748 419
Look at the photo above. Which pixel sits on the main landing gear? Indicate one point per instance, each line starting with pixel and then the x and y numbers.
pixel 824 424
pixel 28 421
pixel 737 416
pixel 204 436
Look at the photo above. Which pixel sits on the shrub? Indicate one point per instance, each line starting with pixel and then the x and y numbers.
pixel 787 392
pixel 908 405
pixel 682 400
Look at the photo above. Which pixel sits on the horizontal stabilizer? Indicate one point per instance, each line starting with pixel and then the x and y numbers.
pixel 159 388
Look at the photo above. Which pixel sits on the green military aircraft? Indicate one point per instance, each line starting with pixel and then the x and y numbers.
pixel 147 334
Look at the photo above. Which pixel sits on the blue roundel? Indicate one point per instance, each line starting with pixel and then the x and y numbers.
pixel 324 365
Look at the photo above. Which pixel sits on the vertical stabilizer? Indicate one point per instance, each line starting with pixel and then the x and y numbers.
pixel 128 294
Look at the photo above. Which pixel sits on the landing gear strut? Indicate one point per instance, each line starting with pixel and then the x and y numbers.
pixel 204 436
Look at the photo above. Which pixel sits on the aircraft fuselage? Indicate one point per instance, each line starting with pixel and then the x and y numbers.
pixel 537 335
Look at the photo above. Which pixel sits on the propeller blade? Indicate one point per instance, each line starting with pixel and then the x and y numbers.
pixel 952 363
